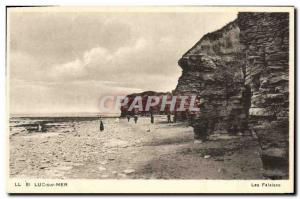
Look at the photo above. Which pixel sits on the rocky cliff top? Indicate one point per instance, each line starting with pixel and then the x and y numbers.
pixel 222 41
pixel 148 93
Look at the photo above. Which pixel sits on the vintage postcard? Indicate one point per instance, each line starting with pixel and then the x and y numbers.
pixel 150 99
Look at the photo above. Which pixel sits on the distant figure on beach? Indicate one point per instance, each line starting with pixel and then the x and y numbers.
pixel 39 127
pixel 152 119
pixel 128 117
pixel 101 124
pixel 174 118
pixel 135 118
pixel 169 118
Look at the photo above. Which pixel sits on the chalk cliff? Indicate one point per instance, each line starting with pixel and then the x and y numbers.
pixel 240 74
pixel 213 70
pixel 265 37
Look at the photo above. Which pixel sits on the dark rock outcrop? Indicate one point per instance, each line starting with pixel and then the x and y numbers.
pixel 240 74
pixel 144 96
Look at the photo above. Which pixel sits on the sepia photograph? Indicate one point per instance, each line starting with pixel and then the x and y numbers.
pixel 156 99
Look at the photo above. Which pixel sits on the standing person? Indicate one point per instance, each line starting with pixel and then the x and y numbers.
pixel 101 124
pixel 135 118
pixel 128 117
pixel 152 119
pixel 174 118
pixel 169 118
pixel 39 127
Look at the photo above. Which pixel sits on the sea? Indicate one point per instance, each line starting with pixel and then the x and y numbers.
pixel 19 125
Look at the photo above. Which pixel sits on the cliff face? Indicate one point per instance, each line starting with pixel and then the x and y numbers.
pixel 266 40
pixel 240 74
pixel 213 70
pixel 144 96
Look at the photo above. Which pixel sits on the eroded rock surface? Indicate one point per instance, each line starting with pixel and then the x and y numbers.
pixel 214 71
pixel 240 74
pixel 266 40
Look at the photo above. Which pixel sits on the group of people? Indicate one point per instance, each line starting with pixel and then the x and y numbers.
pixel 151 118
pixel 135 118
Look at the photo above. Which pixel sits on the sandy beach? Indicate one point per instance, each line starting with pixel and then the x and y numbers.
pixel 125 150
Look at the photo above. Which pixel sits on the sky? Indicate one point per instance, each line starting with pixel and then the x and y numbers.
pixel 65 62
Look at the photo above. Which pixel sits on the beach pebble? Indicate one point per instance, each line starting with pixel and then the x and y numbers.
pixel 197 141
pixel 219 159
pixel 103 163
pixel 129 171
pixel 207 156
pixel 114 172
pixel 102 168
pixel 104 176
pixel 42 167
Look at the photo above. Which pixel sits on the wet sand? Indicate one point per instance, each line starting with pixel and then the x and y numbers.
pixel 132 151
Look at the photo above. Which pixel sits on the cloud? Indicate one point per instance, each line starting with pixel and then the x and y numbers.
pixel 67 61
pixel 59 37
pixel 99 62
pixel 74 68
